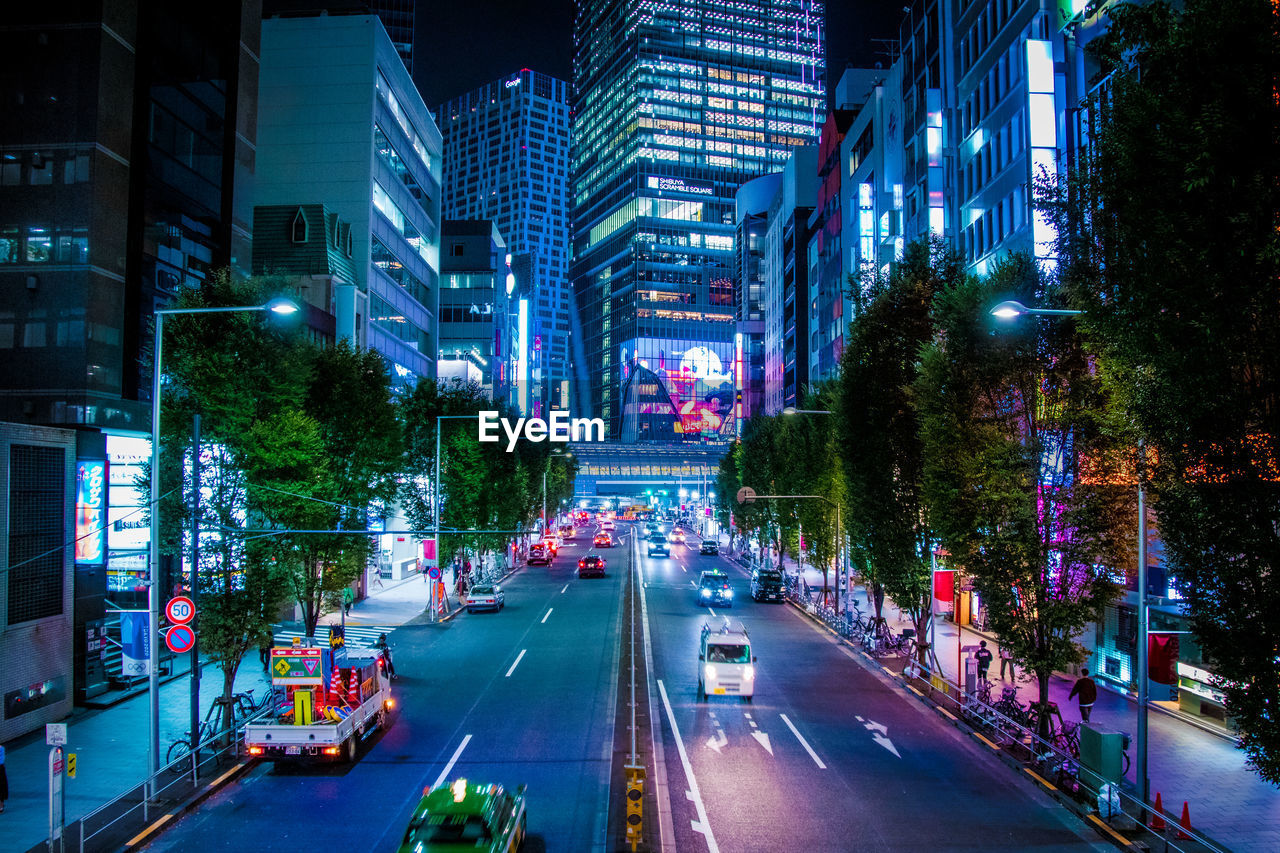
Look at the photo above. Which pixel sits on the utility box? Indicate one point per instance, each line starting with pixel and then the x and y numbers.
pixel 1102 751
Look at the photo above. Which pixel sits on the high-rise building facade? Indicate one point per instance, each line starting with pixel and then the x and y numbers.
pixel 506 159
pixel 397 17
pixel 343 126
pixel 677 104
pixel 476 324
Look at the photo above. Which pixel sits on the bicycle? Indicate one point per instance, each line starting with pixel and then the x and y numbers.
pixel 246 706
pixel 215 722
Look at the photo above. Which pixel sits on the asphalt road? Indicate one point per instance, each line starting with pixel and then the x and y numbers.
pixel 829 756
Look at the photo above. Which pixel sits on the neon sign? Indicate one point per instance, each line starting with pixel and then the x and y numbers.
pixel 91 505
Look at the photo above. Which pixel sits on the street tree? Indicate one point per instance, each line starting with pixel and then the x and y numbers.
pixel 888 517
pixel 236 371
pixel 1170 244
pixel 814 469
pixel 1007 416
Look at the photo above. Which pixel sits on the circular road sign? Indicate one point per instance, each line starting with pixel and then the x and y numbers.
pixel 180 610
pixel 746 495
pixel 180 638
pixel 434 573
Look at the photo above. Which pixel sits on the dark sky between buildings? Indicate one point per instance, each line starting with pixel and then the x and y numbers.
pixel 463 44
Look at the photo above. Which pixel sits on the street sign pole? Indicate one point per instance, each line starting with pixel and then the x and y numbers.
pixel 195 588
pixel 55 844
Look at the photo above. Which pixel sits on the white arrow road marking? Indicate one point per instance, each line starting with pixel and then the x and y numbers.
pixel 445 772
pixel 886 743
pixel 763 740
pixel 544 618
pixel 877 727
pixel 701 825
pixel 803 742
pixel 719 741
pixel 517 663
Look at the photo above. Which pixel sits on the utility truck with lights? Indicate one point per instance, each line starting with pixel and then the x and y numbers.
pixel 726 666
pixel 332 699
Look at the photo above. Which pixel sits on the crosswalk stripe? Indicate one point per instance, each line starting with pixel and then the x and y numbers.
pixel 356 635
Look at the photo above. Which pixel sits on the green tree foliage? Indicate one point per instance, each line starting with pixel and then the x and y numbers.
pixel 810 448
pixel 238 371
pixel 888 517
pixel 1006 416
pixel 1171 246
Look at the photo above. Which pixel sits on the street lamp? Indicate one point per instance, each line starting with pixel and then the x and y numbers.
pixel 275 306
pixel 792 410
pixel 1008 311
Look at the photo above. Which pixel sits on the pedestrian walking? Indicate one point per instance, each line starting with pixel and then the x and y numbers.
pixel 983 657
pixel 461 587
pixel 4 781
pixel 1088 692
pixel 265 643
pixel 1006 659
pixel 348 599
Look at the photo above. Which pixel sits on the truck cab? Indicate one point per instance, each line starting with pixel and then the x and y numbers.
pixel 726 666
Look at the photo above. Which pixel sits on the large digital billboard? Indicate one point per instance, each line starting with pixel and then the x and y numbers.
pixel 677 390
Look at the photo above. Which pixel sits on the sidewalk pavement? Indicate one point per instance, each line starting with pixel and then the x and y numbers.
pixel 1186 763
pixel 110 743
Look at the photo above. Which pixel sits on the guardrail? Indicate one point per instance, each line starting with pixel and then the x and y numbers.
pixel 132 810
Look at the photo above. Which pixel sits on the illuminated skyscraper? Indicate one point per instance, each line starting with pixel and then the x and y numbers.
pixel 506 159
pixel 678 103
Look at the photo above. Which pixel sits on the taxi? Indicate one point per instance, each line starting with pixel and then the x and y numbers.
pixel 465 816
pixel 603 540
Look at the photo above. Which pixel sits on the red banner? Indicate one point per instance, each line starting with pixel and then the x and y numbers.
pixel 1162 658
pixel 944 585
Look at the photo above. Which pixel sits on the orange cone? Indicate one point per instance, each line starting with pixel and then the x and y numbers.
pixel 1157 822
pixel 353 692
pixel 1186 821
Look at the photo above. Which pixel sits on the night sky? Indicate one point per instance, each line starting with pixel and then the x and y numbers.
pixel 463 44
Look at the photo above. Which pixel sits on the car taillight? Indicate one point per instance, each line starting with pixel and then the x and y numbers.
pixel 581 564
pixel 255 750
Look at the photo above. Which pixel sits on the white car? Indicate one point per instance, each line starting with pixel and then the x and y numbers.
pixel 726 666
pixel 485 597
pixel 606 525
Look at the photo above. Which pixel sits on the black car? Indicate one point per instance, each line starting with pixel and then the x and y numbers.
pixel 713 588
pixel 658 546
pixel 766 585
pixel 591 565
pixel 710 546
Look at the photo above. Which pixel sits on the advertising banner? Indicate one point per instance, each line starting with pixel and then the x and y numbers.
pixel 135 642
pixel 91 505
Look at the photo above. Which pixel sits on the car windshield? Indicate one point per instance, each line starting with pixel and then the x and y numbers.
pixel 735 653
pixel 482 590
pixel 769 577
pixel 715 580
pixel 449 829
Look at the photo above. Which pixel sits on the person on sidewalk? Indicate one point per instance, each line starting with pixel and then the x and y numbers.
pixel 348 599
pixel 1006 660
pixel 1088 692
pixel 983 657
pixel 4 781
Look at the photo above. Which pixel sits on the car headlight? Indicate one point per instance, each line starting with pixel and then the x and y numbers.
pixel 728 593
pixel 749 673
pixel 710 671
pixel 706 592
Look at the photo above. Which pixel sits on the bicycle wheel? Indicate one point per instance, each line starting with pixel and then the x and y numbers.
pixel 178 750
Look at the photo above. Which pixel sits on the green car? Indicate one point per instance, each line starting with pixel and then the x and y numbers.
pixel 463 816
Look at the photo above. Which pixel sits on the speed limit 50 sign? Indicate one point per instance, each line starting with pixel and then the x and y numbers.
pixel 180 610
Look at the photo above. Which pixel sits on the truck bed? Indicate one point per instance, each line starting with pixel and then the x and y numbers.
pixel 287 741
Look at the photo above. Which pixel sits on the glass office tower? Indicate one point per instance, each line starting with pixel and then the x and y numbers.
pixel 678 103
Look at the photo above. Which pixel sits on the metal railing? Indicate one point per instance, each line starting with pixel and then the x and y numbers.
pixel 132 809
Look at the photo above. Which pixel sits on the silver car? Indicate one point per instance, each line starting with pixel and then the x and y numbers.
pixel 485 596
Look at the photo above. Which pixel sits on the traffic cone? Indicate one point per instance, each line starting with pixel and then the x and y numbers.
pixel 1157 822
pixel 335 688
pixel 1186 821
pixel 353 692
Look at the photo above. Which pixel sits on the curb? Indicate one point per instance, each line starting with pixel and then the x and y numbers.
pixel 156 826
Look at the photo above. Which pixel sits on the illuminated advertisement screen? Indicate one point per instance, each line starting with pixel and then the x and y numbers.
pixel 686 387
pixel 91 506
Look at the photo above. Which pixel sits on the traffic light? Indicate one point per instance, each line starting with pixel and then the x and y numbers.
pixel 635 803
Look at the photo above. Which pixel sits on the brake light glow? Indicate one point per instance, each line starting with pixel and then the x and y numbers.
pixel 255 750
pixel 330 750
pixel 389 704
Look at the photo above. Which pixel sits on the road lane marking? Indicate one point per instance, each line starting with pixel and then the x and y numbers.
pixel 517 663
pixel 701 825
pixel 1039 778
pixel 544 618
pixel 666 831
pixel 1119 839
pixel 453 760
pixel 984 740
pixel 566 586
pixel 804 743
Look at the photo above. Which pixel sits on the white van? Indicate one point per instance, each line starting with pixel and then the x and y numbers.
pixel 726 666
